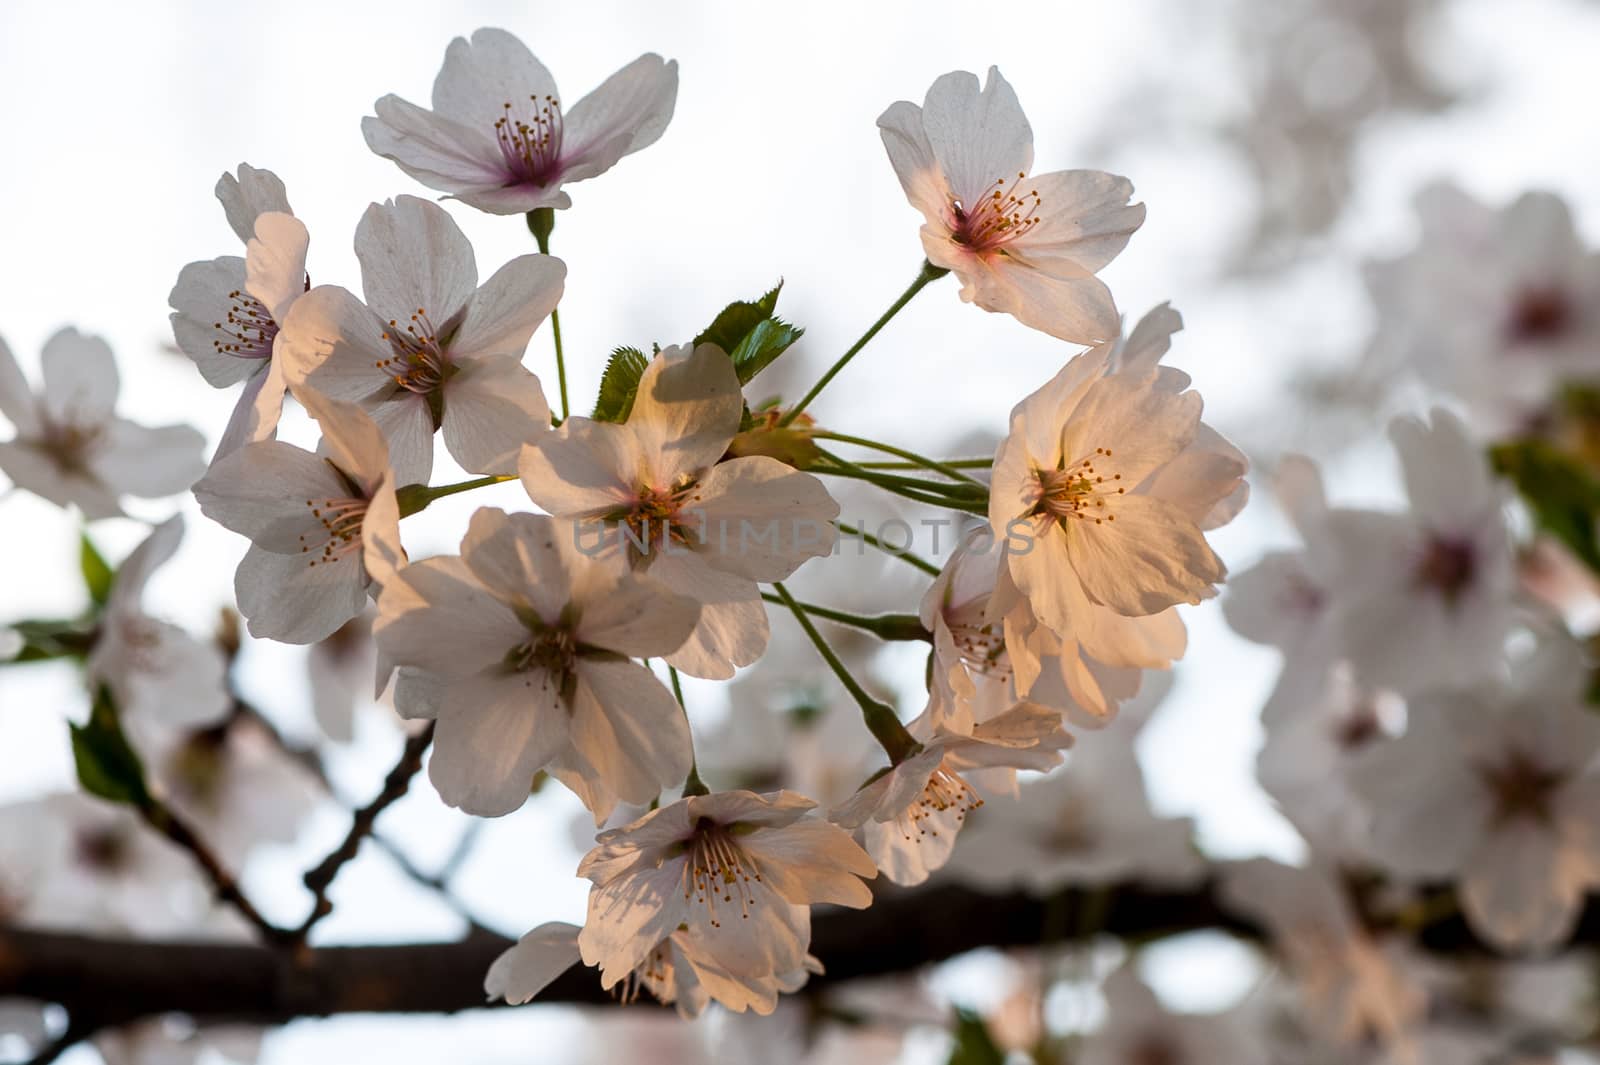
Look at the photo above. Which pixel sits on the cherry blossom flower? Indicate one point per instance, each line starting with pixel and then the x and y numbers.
pixel 673 973
pixel 908 816
pixel 430 349
pixel 227 312
pixel 1495 786
pixel 1026 246
pixel 732 873
pixel 653 488
pixel 323 527
pixel 523 643
pixel 340 669
pixel 1351 987
pixel 1139 1031
pixel 1426 596
pixel 498 136
pixel 162 678
pixel 70 447
pixel 1496 307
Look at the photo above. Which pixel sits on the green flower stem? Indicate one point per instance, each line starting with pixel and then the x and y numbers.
pixel 916 460
pixel 540 223
pixel 929 272
pixel 955 464
pixel 905 556
pixel 967 498
pixel 883 626
pixel 415 497
pixel 881 721
pixel 692 784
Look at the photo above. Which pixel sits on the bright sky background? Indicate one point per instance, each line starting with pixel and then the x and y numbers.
pixel 119 117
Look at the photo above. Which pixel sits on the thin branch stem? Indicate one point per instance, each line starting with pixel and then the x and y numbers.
pixel 883 626
pixel 540 223
pixel 692 784
pixel 957 464
pixel 224 885
pixel 321 878
pixel 905 556
pixel 880 717
pixel 916 460
pixel 416 497
pixel 928 273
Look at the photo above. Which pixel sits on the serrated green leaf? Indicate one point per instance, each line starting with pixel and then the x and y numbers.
pixel 769 338
pixel 619 384
pixel 107 765
pixel 97 573
pixel 973 1044
pixel 736 320
pixel 1560 491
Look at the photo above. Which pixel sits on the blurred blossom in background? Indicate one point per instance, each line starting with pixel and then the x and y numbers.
pixel 1280 145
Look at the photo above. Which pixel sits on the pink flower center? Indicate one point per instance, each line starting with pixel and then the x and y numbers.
pixel 1077 491
pixel 1541 314
pixel 718 873
pixel 104 849
pixel 1447 566
pixel 944 792
pixel 982 648
pixel 419 363
pixel 247 331
pixel 1521 787
pixel 1001 214
pixel 340 521
pixel 69 446
pixel 530 141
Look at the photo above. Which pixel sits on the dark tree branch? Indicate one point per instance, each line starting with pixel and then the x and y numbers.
pixel 223 883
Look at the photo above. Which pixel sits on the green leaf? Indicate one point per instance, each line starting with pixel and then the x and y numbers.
pixel 97 573
pixel 107 765
pixel 768 339
pixel 619 384
pixel 974 1045
pixel 1560 490
pixel 737 319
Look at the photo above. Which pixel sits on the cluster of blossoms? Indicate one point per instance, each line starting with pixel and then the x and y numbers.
pixel 1428 736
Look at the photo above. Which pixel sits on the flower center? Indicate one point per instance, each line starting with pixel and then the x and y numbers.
pixel 653 519
pixel 550 650
pixel 530 142
pixel 1447 566
pixel 718 873
pixel 1001 214
pixel 1521 787
pixel 1077 491
pixel 982 648
pixel 419 363
pixel 341 521
pixel 944 792
pixel 105 848
pixel 1541 314
pixel 69 446
pixel 248 330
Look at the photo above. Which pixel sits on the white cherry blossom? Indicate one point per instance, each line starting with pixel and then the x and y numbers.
pixel 733 873
pixel 520 648
pixel 323 527
pixel 227 312
pixel 655 488
pixel 499 136
pixel 1025 246
pixel 430 349
pixel 70 447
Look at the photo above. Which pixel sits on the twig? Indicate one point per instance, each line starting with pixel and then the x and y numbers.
pixel 223 884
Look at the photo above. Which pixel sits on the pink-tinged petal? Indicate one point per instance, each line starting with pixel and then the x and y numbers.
pixel 582 469
pixel 521 559
pixel 504 313
pixel 533 964
pixel 436 616
pixel 733 628
pixel 579 777
pixel 628 917
pixel 811 862
pixel 172 681
pixel 80 379
pixel 628 112
pixel 382 553
pixel 257 410
pixel 202 300
pixel 761 518
pixel 414 257
pixel 479 77
pixel 627 725
pixel 406 425
pixel 260 491
pixel 513 199
pixel 16 398
pixel 1128 429
pixel 1521 889
pixel 1205 480
pixel 1077 309
pixel 419 694
pixel 978 136
pixel 1297 484
pixel 1084 221
pixel 908 851
pixel 275 262
pixel 248 196
pixel 1150 340
pixel 290 599
pixel 496 732
pixel 149 463
pixel 1150 558
pixel 914 164
pixel 330 342
pixel 32 470
pixel 1447 477
pixel 493 406
pixel 634 616
pixel 350 439
pixel 437 151
pixel 686 413
pixel 151 554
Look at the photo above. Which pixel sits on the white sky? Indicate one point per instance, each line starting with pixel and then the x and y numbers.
pixel 118 119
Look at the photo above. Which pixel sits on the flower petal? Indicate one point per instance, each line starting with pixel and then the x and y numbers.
pixel 497 730
pixel 201 300
pixel 686 413
pixel 533 964
pixel 493 406
pixel 629 728
pixel 504 313
pixel 978 136
pixel 1150 558
pixel 275 262
pixel 629 111
pixel 414 257
pixel 761 518
pixel 80 379
pixel 479 77
pixel 286 598
pixel 249 195
pixel 439 152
